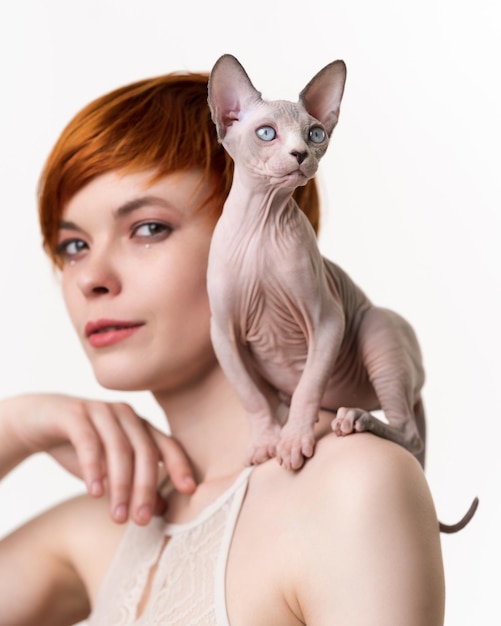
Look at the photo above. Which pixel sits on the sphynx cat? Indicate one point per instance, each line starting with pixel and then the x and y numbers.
pixel 283 315
pixel 284 318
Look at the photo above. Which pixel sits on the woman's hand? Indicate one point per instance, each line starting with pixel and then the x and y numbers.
pixel 106 444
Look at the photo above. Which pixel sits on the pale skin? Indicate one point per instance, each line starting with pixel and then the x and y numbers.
pixel 351 539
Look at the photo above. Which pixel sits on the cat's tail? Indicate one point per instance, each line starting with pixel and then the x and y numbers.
pixel 454 528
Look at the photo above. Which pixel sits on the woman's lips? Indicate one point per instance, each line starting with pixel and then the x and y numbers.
pixel 104 333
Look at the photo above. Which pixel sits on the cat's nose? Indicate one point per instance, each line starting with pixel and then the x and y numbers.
pixel 300 156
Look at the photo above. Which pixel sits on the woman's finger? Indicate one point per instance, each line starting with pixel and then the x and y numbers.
pixel 119 457
pixel 176 463
pixel 85 444
pixel 147 455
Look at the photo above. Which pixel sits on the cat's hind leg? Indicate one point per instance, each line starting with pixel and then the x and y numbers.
pixel 350 420
pixel 392 357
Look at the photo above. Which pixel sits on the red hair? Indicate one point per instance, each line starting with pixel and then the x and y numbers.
pixel 160 124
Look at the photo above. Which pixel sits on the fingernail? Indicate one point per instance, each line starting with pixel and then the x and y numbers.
pixel 189 482
pixel 96 488
pixel 144 514
pixel 121 513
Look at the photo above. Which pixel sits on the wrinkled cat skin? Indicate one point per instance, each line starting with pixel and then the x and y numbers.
pixel 282 315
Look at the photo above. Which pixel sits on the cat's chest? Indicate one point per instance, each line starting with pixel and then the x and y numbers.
pixel 252 260
pixel 257 278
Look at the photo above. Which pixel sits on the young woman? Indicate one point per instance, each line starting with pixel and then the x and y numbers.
pixel 128 201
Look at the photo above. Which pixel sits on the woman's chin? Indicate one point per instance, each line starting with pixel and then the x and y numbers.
pixel 121 381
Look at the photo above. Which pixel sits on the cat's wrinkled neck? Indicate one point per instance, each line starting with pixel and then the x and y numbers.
pixel 256 203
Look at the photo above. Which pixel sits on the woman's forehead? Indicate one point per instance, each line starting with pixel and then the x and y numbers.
pixel 123 192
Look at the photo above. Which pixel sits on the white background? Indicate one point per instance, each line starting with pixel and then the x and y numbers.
pixel 411 205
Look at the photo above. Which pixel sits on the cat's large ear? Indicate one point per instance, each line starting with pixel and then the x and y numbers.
pixel 230 93
pixel 322 95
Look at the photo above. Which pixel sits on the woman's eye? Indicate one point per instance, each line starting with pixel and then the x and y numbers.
pixel 152 229
pixel 266 133
pixel 70 248
pixel 317 134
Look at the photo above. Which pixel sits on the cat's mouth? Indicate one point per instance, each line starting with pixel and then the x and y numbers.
pixel 292 178
pixel 295 178
pixel 297 175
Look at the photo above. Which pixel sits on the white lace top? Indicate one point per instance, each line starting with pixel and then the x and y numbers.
pixel 188 582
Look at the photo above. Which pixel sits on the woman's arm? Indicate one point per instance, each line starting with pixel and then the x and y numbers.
pixel 372 554
pixel 49 566
pixel 40 585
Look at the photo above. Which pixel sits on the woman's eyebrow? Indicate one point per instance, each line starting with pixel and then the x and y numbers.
pixel 123 210
pixel 137 203
pixel 65 225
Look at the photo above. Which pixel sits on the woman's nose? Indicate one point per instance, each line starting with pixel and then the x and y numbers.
pixel 98 277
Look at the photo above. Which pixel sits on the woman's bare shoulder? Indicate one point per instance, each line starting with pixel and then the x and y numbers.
pixel 358 516
pixel 364 454
pixel 72 544
pixel 360 474
pixel 76 534
pixel 90 537
pixel 359 482
pixel 366 471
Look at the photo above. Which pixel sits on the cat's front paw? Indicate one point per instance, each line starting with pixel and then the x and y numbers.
pixel 264 446
pixel 294 448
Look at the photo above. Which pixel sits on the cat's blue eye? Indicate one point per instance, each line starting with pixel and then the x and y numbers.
pixel 317 134
pixel 266 133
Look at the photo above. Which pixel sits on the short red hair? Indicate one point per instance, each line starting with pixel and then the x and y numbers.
pixel 161 124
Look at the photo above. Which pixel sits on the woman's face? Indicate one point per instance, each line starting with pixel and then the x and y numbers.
pixel 134 257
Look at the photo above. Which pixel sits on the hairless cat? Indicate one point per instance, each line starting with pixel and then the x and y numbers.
pixel 283 316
